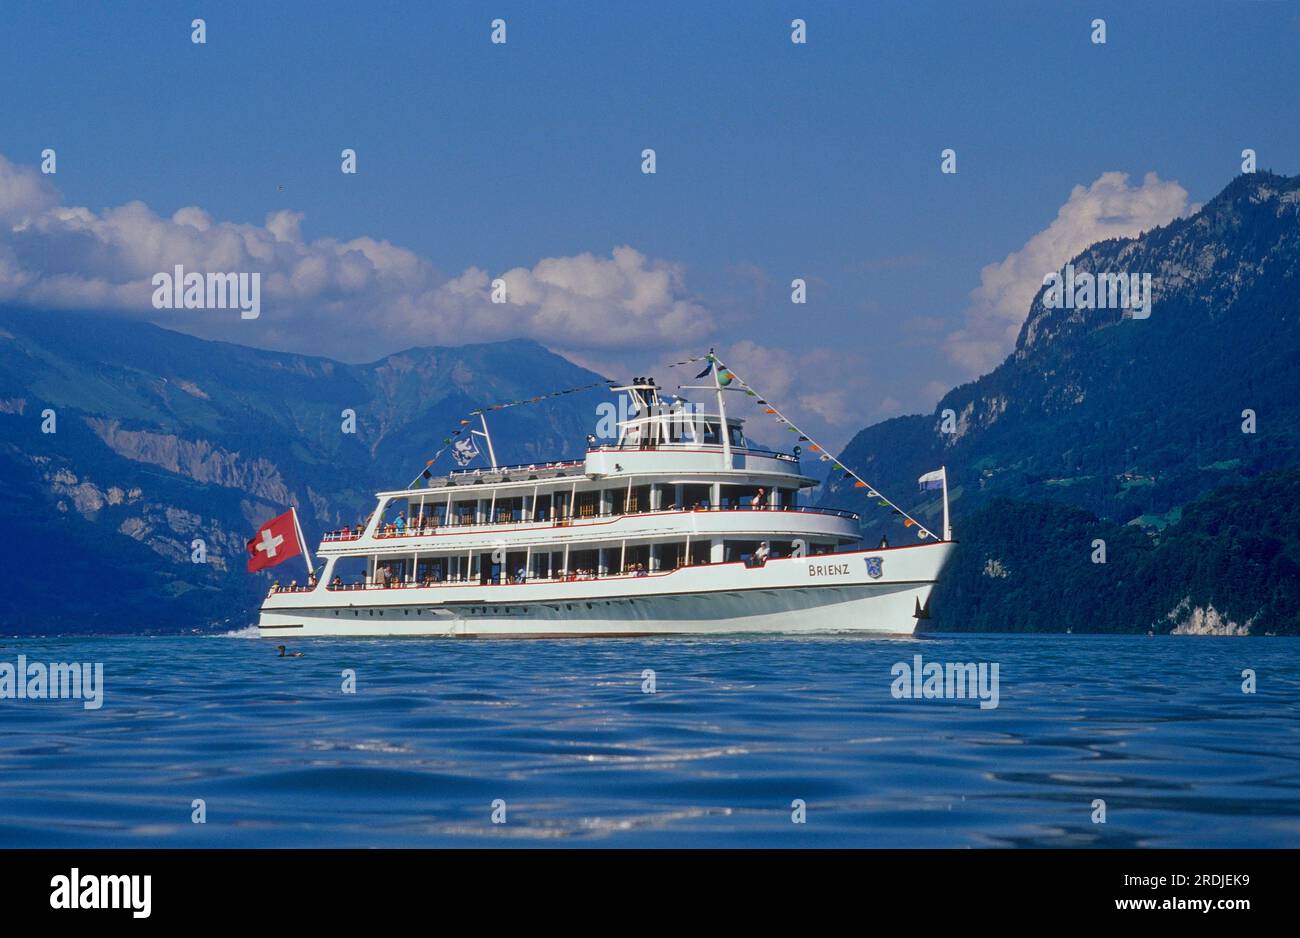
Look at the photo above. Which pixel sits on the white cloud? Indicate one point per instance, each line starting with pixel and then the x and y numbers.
pixel 1109 208
pixel 823 390
pixel 931 393
pixel 350 299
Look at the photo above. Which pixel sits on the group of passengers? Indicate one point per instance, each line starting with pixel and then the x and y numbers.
pixel 293 586
pixel 423 523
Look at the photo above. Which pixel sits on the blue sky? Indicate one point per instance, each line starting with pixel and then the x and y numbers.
pixel 775 161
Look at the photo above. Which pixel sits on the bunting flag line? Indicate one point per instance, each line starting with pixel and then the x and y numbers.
pixel 464 422
pixel 858 481
pixel 607 383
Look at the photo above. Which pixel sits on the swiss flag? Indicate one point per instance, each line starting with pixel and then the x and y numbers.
pixel 275 541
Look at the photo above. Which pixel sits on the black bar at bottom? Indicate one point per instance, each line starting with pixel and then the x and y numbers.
pixel 333 887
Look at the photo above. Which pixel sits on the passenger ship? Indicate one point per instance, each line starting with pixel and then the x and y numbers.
pixel 681 526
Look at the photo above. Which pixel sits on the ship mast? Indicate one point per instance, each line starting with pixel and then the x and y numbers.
pixel 487 437
pixel 715 369
pixel 722 419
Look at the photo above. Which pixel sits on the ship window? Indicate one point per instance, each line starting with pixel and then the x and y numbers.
pixel 696 496
pixel 734 551
pixel 672 556
pixel 638 499
pixel 588 504
pixel 737 438
pixel 711 434
pixel 509 510
pixel 349 573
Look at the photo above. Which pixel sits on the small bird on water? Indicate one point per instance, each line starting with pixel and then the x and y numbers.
pixel 292 654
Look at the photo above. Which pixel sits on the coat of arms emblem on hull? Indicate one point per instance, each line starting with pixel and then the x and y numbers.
pixel 875 567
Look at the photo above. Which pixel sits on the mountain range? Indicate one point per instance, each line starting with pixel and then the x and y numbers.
pixel 1172 443
pixel 1150 435
pixel 161 439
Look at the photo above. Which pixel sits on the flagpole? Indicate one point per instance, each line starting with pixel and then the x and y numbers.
pixel 722 412
pixel 947 528
pixel 302 541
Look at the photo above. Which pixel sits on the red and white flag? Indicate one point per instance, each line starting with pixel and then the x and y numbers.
pixel 275 541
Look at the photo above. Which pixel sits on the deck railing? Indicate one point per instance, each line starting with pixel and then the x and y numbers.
pixel 390 530
pixel 670 447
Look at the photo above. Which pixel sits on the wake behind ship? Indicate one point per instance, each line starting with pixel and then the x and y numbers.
pixel 681 526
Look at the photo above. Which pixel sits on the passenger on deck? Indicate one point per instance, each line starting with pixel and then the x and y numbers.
pixel 761 555
pixel 400 524
pixel 757 500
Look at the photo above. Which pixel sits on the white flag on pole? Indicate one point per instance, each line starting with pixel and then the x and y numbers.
pixel 932 480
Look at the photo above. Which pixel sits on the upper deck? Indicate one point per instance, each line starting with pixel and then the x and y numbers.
pixel 681 459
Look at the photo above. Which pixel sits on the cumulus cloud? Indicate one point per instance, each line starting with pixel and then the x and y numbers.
pixel 354 298
pixel 1109 208
pixel 821 388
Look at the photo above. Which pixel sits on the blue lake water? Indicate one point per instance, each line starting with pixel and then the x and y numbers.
pixel 738 728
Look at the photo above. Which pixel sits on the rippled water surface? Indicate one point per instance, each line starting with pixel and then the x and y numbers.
pixel 738 729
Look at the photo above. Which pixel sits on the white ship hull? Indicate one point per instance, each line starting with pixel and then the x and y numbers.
pixel 826 593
